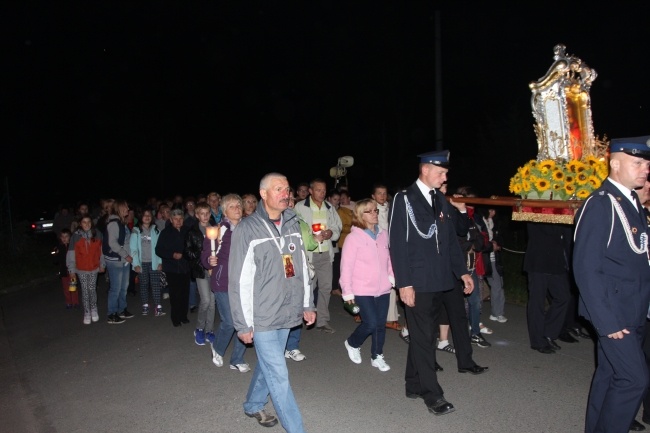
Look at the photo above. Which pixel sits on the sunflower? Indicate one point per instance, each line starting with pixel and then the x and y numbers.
pixel 569 178
pixel 525 186
pixel 592 161
pixel 582 178
pixel 547 164
pixel 594 181
pixel 569 188
pixel 542 185
pixel 572 166
pixel 583 193
pixel 558 175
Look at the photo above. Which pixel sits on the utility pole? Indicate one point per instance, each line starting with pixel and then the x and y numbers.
pixel 438 82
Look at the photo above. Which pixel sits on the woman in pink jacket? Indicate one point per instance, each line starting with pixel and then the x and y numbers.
pixel 367 278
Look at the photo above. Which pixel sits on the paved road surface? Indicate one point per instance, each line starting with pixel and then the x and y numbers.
pixel 60 376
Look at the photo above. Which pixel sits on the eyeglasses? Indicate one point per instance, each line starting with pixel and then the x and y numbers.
pixel 371 211
pixel 250 201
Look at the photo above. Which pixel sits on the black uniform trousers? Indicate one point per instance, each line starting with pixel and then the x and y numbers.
pixel 619 383
pixel 454 303
pixel 422 322
pixel 546 323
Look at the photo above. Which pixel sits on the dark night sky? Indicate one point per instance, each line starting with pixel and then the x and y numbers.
pixel 132 100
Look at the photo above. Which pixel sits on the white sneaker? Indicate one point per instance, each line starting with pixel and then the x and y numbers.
pixel 86 318
pixel 294 354
pixel 484 329
pixel 353 353
pixel 216 358
pixel 243 368
pixel 165 295
pixel 500 319
pixel 93 315
pixel 380 363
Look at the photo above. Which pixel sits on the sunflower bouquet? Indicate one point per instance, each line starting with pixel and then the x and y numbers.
pixel 551 180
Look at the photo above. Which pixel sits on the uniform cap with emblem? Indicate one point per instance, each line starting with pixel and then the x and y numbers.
pixel 439 158
pixel 635 146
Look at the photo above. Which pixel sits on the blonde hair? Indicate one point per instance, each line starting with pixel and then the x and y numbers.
pixel 359 208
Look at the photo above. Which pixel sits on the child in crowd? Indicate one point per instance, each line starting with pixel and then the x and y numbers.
pixel 60 252
pixel 85 260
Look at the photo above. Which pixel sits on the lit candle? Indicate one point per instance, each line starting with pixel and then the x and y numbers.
pixel 212 233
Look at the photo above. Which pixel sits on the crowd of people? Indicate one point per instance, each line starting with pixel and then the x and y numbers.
pixel 270 267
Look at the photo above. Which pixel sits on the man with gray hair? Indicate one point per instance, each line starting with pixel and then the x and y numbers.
pixel 270 293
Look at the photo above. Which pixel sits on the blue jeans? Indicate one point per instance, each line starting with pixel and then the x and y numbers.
pixel 373 322
pixel 118 274
pixel 227 331
pixel 474 307
pixel 193 293
pixel 293 342
pixel 271 376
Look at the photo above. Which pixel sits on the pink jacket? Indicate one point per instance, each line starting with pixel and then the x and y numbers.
pixel 366 269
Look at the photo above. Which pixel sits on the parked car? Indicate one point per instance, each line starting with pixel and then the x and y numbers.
pixel 43 223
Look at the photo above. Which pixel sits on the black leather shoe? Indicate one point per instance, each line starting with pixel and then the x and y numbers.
pixel 578 332
pixel 438 367
pixel 441 407
pixel 552 343
pixel 567 338
pixel 636 426
pixel 547 350
pixel 477 369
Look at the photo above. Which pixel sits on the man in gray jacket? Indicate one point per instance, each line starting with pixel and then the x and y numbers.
pixel 269 294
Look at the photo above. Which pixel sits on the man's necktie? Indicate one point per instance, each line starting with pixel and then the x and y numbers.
pixel 639 206
pixel 433 201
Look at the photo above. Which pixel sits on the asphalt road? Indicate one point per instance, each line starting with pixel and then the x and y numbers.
pixel 60 376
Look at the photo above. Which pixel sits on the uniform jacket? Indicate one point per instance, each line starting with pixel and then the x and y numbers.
pixel 303 209
pixel 366 269
pixel 261 297
pixel 422 263
pixel 613 280
pixel 549 247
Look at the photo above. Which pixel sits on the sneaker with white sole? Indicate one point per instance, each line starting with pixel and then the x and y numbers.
pixel 159 311
pixel 216 358
pixel 243 368
pixel 294 354
pixel 94 316
pixel 145 309
pixel 484 329
pixel 86 318
pixel 263 418
pixel 354 353
pixel 199 337
pixel 480 341
pixel 115 319
pixel 380 363
pixel 125 314
pixel 500 319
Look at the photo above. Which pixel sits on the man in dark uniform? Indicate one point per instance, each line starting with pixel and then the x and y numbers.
pixel 611 269
pixel 547 265
pixel 427 261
